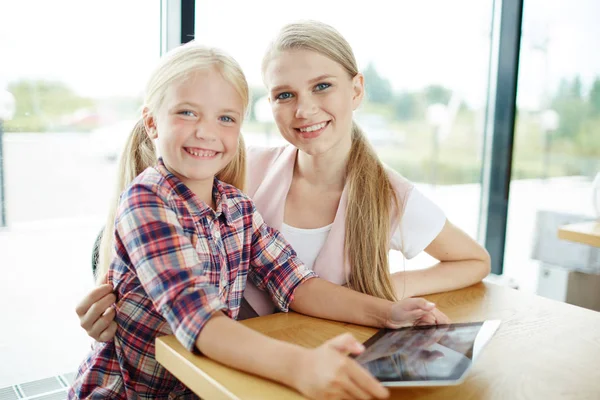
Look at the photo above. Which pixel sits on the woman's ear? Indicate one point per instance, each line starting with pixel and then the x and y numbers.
pixel 149 123
pixel 358 90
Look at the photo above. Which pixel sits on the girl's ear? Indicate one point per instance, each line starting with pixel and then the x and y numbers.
pixel 358 89
pixel 149 123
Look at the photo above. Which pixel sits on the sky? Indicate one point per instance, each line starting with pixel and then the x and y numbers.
pixel 108 47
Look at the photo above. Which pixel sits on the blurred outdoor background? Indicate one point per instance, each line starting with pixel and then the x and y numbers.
pixel 74 71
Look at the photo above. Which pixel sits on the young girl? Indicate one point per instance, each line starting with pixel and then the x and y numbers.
pixel 334 201
pixel 185 242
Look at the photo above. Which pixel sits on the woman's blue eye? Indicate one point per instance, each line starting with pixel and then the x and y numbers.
pixel 284 96
pixel 226 118
pixel 322 86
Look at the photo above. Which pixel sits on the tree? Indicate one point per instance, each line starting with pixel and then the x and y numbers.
pixel 40 105
pixel 379 89
pixel 257 93
pixel 406 106
pixel 571 108
pixel 595 97
pixel 437 94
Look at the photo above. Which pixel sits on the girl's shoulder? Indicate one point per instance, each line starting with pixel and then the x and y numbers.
pixel 151 180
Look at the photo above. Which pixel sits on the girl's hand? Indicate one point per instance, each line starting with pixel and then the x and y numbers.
pixel 328 373
pixel 415 311
pixel 96 315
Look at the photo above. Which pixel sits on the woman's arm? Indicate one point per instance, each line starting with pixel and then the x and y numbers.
pixel 462 262
pixel 323 299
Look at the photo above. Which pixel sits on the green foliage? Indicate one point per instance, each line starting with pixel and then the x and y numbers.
pixel 257 93
pixel 437 94
pixel 379 89
pixel 406 106
pixel 41 105
pixel 595 98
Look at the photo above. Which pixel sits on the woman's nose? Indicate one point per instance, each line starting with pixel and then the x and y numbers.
pixel 306 108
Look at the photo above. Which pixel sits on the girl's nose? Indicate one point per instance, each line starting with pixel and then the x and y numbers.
pixel 205 131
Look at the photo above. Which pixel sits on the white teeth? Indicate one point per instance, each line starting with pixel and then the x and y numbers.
pixel 314 127
pixel 202 153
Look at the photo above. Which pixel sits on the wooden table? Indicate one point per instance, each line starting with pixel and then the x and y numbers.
pixel 543 350
pixel 583 232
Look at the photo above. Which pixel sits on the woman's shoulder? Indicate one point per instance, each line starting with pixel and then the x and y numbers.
pixel 401 185
pixel 265 154
pixel 261 161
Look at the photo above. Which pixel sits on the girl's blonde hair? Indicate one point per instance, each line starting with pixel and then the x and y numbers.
pixel 370 192
pixel 139 152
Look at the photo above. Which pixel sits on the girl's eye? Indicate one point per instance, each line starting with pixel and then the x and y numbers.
pixel 322 86
pixel 284 96
pixel 226 118
pixel 187 113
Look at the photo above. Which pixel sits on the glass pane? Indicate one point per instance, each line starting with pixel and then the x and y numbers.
pixel 557 139
pixel 76 72
pixel 426 77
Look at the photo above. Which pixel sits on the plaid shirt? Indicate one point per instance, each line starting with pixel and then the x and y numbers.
pixel 177 263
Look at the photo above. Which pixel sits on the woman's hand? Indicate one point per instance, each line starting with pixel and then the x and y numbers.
pixel 96 315
pixel 328 373
pixel 414 311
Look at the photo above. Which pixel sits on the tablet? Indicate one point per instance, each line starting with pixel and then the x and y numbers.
pixel 438 355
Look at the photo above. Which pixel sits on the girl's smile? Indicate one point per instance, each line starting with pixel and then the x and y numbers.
pixel 202 154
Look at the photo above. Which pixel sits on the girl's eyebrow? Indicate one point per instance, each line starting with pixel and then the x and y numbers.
pixel 186 103
pixel 311 81
pixel 197 106
pixel 230 111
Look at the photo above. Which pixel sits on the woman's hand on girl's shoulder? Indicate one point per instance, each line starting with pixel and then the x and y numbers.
pixel 415 311
pixel 96 314
pixel 327 372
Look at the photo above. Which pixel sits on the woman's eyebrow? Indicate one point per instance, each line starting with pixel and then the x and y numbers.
pixel 320 78
pixel 310 82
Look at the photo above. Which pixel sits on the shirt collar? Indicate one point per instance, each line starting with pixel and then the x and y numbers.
pixel 196 206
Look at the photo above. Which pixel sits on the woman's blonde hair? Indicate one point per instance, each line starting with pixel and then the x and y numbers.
pixel 370 192
pixel 139 152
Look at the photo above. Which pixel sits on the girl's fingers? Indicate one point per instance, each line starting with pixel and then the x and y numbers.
pixel 96 294
pixel 365 382
pixel 101 325
pixel 346 344
pixel 96 311
pixel 109 333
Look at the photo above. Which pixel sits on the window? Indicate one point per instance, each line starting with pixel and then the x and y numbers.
pixel 76 71
pixel 426 69
pixel 557 135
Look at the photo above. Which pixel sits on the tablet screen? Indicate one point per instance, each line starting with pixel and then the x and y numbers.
pixel 425 353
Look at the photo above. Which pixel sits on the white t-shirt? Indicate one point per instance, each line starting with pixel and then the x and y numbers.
pixel 421 222
pixel 306 242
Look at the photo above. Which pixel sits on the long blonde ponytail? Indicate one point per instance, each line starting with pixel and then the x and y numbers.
pixel 139 152
pixel 368 223
pixel 370 192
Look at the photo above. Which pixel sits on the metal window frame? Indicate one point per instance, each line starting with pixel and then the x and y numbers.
pixel 3 222
pixel 178 27
pixel 178 20
pixel 501 113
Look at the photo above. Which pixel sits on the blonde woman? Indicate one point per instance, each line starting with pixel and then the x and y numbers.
pixel 185 242
pixel 334 201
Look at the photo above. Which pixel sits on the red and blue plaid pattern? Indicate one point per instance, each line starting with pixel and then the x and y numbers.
pixel 178 262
